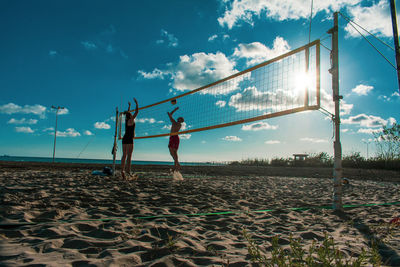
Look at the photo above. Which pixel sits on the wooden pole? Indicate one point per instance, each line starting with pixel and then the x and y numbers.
pixel 337 171
pixel 115 141
pixel 55 137
pixel 307 60
pixel 55 130
pixel 396 38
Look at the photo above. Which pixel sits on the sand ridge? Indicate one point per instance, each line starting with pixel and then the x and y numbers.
pixel 91 220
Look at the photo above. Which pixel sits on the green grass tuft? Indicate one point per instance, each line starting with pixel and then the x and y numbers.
pixel 324 253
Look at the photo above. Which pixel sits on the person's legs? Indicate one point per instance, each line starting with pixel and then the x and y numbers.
pixel 123 159
pixel 129 158
pixel 177 165
pixel 171 152
pixel 174 155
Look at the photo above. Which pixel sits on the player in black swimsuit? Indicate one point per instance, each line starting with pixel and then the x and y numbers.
pixel 127 140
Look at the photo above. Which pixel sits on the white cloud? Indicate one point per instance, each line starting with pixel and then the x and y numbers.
pixel 220 103
pixel 48 129
pixel 225 36
pixel 364 120
pixel 89 45
pixel 112 118
pixel 257 126
pixel 391 121
pixel 22 121
pixel 344 130
pixel 184 126
pixel 144 120
pixel 194 71
pixel 328 104
pixel 201 69
pixel 212 38
pixel 70 132
pixel 102 125
pixel 24 130
pixel 148 120
pixel 272 142
pixel 61 111
pixel 185 136
pixel 394 96
pixel 155 74
pixel 232 138
pixel 246 10
pixel 257 52
pixel 12 108
pixel 252 99
pixel 87 132
pixel 384 98
pixel 53 53
pixel 104 42
pixel 313 140
pixel 368 130
pixel 374 18
pixel 168 38
pixel 362 89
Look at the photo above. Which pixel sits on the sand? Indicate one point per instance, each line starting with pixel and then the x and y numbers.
pixel 78 219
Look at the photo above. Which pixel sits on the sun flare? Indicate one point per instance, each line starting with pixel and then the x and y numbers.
pixel 302 81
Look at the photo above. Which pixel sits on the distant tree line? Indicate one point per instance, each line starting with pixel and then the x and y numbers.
pixel 387 155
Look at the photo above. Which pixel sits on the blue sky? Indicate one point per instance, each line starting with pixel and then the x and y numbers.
pixel 92 56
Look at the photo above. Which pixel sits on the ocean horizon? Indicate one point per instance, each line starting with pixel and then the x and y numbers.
pixel 99 161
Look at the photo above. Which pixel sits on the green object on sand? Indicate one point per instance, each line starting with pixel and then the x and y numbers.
pixel 15 225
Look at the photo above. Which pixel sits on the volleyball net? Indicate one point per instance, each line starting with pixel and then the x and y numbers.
pixel 287 84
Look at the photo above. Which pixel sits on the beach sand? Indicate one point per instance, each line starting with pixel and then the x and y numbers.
pixel 79 219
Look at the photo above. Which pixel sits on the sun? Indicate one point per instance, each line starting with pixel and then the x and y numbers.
pixel 302 81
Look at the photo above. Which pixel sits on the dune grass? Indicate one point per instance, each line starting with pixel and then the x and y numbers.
pixel 323 253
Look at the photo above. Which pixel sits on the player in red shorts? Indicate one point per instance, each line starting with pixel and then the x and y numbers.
pixel 173 144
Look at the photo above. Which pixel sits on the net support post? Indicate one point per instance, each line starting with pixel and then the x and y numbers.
pixel 318 71
pixel 115 140
pixel 337 146
pixel 395 38
pixel 307 66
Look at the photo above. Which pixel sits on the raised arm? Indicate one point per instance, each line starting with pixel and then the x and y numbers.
pixel 137 109
pixel 170 117
pixel 170 114
pixel 175 109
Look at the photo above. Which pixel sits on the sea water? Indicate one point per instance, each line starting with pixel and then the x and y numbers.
pixel 100 161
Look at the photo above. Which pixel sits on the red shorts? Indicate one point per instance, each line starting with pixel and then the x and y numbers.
pixel 174 142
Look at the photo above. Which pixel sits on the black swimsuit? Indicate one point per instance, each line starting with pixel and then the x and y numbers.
pixel 129 133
